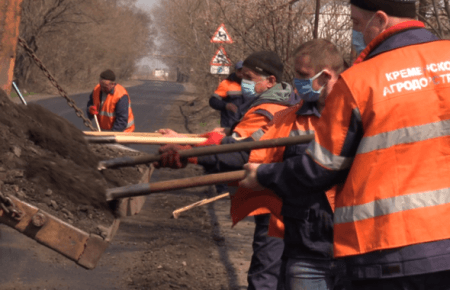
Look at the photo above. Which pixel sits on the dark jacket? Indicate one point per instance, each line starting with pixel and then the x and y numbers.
pixel 308 221
pixel 222 96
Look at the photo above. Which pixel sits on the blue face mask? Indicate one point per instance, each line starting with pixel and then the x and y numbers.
pixel 358 41
pixel 358 38
pixel 248 89
pixel 305 89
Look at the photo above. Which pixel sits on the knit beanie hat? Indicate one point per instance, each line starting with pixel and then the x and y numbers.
pixel 265 63
pixel 396 8
pixel 108 75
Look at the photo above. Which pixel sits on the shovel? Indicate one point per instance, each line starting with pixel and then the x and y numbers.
pixel 155 140
pixel 219 178
pixel 149 188
pixel 141 134
pixel 208 150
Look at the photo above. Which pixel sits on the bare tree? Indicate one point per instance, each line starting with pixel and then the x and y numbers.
pixel 278 25
pixel 77 39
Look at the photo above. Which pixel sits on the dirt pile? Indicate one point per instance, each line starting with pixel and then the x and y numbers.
pixel 44 160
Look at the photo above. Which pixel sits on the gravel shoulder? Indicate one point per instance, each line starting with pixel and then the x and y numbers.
pixel 223 253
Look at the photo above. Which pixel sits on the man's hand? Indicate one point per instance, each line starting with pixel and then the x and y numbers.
pixel 214 138
pixel 251 179
pixel 93 110
pixel 170 133
pixel 170 157
pixel 231 107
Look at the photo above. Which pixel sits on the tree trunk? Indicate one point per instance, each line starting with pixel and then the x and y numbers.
pixel 316 20
pixel 438 20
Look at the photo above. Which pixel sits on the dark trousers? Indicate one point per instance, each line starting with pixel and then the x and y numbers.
pixel 431 281
pixel 265 267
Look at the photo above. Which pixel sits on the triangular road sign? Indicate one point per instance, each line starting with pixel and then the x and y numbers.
pixel 221 35
pixel 221 58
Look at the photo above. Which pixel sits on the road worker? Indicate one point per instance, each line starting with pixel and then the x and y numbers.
pixel 262 74
pixel 307 223
pixel 383 132
pixel 228 99
pixel 111 104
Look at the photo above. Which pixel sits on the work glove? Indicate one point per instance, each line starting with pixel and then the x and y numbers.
pixel 93 110
pixel 213 138
pixel 170 157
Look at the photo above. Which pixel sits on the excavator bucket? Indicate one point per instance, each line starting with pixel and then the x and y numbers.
pixel 82 247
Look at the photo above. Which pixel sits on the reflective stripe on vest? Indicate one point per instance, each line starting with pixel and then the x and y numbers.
pixel 234 93
pixel 110 115
pixel 327 159
pixel 227 88
pixel 392 205
pixel 404 136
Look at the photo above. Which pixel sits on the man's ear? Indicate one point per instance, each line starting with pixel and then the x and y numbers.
pixel 383 19
pixel 271 81
pixel 325 77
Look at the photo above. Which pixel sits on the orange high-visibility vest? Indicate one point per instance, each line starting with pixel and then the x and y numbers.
pixel 397 192
pixel 107 114
pixel 247 202
pixel 228 88
pixel 257 117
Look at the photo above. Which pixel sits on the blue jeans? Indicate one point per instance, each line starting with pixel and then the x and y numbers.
pixel 264 272
pixel 314 274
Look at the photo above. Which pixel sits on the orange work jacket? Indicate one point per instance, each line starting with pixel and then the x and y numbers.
pixel 257 117
pixel 397 192
pixel 246 202
pixel 107 114
pixel 228 88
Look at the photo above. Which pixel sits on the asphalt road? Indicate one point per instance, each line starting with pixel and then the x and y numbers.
pixel 25 262
pixel 151 102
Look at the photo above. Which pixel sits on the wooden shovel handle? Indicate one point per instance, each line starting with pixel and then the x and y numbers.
pixel 155 140
pixel 149 188
pixel 142 134
pixel 176 213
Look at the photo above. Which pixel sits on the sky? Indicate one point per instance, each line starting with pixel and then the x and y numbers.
pixel 153 63
pixel 146 4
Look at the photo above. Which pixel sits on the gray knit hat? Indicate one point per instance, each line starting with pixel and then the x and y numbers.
pixel 266 63
pixel 396 8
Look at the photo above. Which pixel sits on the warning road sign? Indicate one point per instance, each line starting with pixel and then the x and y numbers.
pixel 220 58
pixel 221 35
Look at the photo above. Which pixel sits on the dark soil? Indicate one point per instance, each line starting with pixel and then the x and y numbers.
pixel 44 160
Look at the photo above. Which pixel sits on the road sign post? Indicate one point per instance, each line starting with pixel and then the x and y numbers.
pixel 220 63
